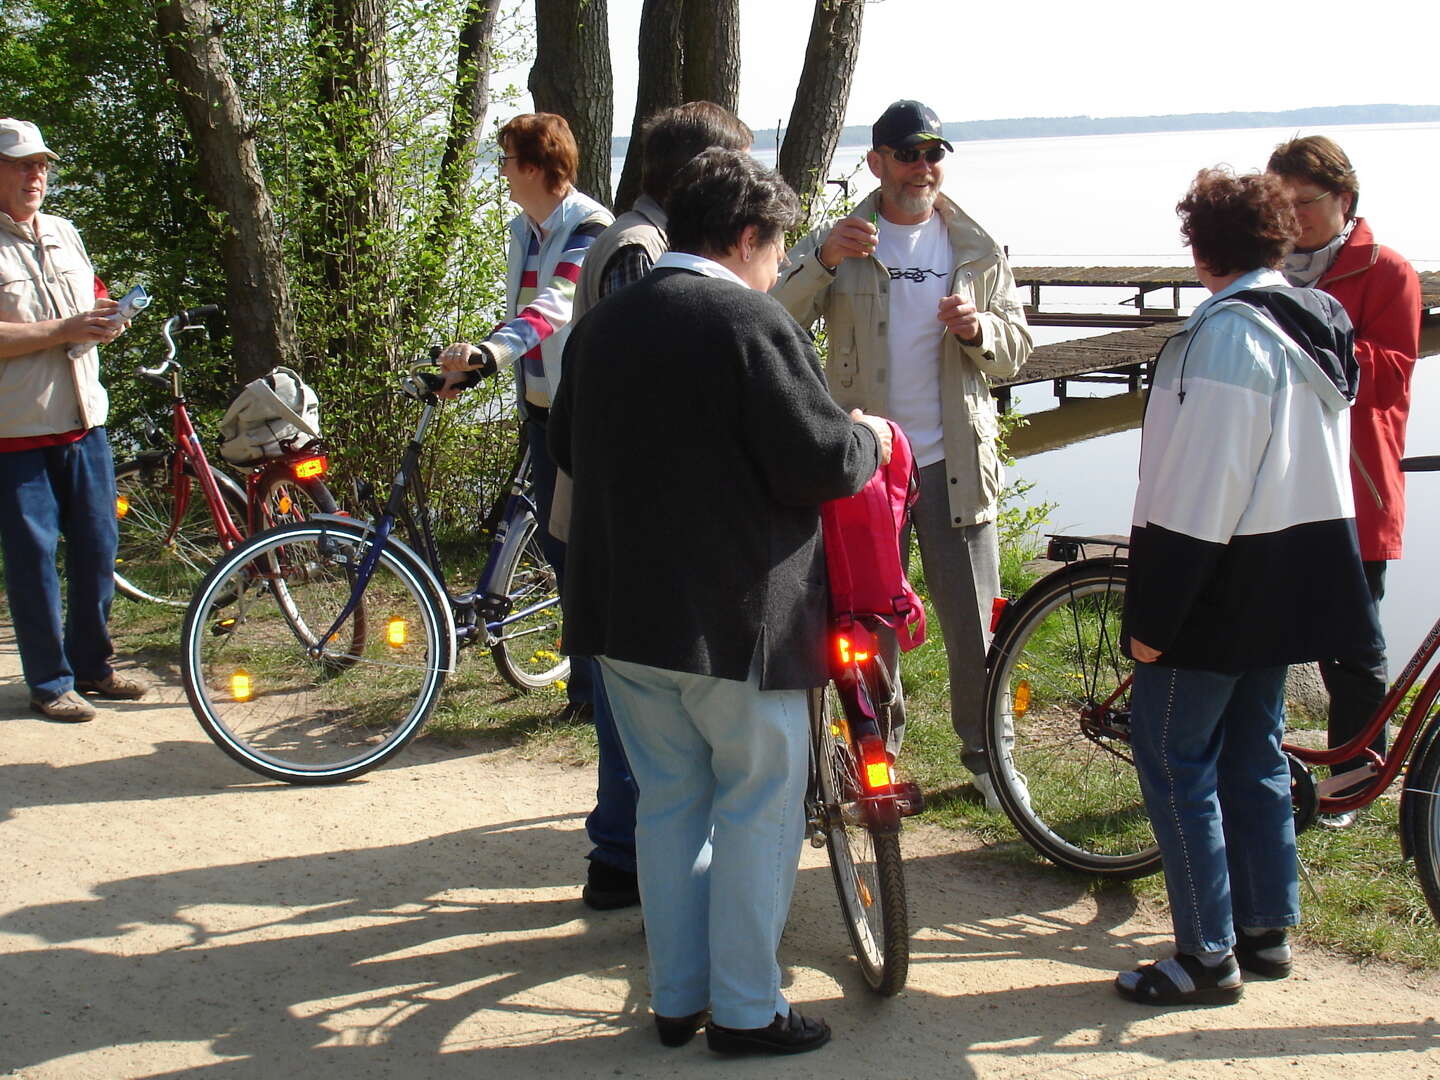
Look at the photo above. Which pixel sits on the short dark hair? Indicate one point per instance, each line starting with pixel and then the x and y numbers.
pixel 1317 160
pixel 675 135
pixel 543 141
pixel 1235 224
pixel 721 192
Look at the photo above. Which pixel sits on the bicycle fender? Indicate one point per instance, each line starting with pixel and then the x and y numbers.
pixel 1412 808
pixel 1014 607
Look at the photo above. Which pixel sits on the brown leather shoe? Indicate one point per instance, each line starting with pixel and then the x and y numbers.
pixel 68 708
pixel 115 685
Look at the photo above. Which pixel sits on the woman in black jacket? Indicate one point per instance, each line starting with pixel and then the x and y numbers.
pixel 696 423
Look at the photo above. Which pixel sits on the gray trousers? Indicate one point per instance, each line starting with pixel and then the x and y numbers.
pixel 962 575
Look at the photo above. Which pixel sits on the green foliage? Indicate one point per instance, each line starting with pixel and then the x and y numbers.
pixel 350 118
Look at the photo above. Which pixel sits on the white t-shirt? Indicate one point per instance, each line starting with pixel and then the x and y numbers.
pixel 919 259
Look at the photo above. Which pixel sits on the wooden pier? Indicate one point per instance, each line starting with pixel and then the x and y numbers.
pixel 1123 356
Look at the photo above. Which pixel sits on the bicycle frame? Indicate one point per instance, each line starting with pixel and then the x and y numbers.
pixel 483 600
pixel 191 452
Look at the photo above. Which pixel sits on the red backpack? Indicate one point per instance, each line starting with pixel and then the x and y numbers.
pixel 862 547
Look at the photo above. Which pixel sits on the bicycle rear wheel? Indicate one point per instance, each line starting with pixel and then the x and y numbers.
pixel 869 874
pixel 527 651
pixel 154 562
pixel 1057 731
pixel 1422 785
pixel 275 704
pixel 285 500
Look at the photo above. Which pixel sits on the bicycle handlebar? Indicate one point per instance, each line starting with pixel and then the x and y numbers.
pixel 418 382
pixel 194 316
pixel 189 319
pixel 1429 463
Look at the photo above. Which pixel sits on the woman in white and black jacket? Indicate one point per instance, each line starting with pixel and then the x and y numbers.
pixel 1244 560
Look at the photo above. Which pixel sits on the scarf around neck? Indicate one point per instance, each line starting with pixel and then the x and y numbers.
pixel 1304 268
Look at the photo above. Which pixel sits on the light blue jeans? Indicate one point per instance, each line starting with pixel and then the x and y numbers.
pixel 1217 787
pixel 721 766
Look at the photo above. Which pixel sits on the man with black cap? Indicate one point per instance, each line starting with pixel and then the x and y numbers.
pixel 56 473
pixel 920 307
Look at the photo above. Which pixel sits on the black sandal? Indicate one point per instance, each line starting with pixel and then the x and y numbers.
pixel 1155 987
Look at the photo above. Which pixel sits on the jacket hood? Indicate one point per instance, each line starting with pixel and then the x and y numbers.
pixel 1310 324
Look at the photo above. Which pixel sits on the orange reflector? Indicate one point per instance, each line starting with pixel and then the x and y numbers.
pixel 997 609
pixel 314 466
pixel 1020 698
pixel 240 688
pixel 285 504
pixel 395 633
pixel 122 506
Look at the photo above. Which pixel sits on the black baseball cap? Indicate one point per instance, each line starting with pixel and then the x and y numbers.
pixel 907 123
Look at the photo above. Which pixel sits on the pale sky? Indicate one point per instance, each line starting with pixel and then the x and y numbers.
pixel 1013 58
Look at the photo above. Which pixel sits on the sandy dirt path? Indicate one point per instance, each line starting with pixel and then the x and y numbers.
pixel 166 913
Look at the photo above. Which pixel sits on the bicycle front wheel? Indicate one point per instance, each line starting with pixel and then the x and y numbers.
pixel 1058 724
pixel 285 703
pixel 527 649
pixel 168 538
pixel 869 875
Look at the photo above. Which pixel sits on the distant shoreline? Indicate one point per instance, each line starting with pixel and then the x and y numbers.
pixel 1048 127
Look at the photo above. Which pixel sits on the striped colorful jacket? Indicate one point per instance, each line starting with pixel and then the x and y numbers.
pixel 540 297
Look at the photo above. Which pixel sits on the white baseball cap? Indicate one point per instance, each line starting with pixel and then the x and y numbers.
pixel 21 139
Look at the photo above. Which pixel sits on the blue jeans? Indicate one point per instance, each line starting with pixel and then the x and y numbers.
pixel 721 766
pixel 48 493
pixel 611 825
pixel 1217 787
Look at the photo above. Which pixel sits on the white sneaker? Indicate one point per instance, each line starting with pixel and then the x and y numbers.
pixel 986 786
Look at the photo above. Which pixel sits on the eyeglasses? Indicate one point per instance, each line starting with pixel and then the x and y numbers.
pixel 1313 199
pixel 27 165
pixel 911 154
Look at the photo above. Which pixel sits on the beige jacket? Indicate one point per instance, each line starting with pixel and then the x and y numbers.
pixel 45 392
pixel 854 301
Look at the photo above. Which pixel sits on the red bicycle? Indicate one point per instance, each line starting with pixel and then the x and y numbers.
pixel 1058 728
pixel 178 514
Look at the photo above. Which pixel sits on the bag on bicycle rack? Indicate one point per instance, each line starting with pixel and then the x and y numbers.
pixel 862 547
pixel 269 417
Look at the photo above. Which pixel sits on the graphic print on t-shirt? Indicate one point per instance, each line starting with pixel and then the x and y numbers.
pixel 918 258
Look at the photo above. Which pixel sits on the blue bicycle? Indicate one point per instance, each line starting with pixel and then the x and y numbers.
pixel 315 651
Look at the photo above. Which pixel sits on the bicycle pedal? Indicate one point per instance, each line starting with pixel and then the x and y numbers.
pixel 908 799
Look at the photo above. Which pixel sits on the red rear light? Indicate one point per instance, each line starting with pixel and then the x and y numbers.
pixel 856 645
pixel 310 467
pixel 874 765
pixel 997 609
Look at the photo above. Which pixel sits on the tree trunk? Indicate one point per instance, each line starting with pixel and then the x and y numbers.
pixel 474 59
pixel 571 76
pixel 822 96
pixel 354 208
pixel 712 52
pixel 257 289
pixel 661 83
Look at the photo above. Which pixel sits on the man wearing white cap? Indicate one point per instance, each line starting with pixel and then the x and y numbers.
pixel 56 473
pixel 920 307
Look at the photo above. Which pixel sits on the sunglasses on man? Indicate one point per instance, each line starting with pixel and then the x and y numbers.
pixel 911 154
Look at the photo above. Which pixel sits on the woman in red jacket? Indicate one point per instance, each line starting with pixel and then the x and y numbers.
pixel 1337 252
